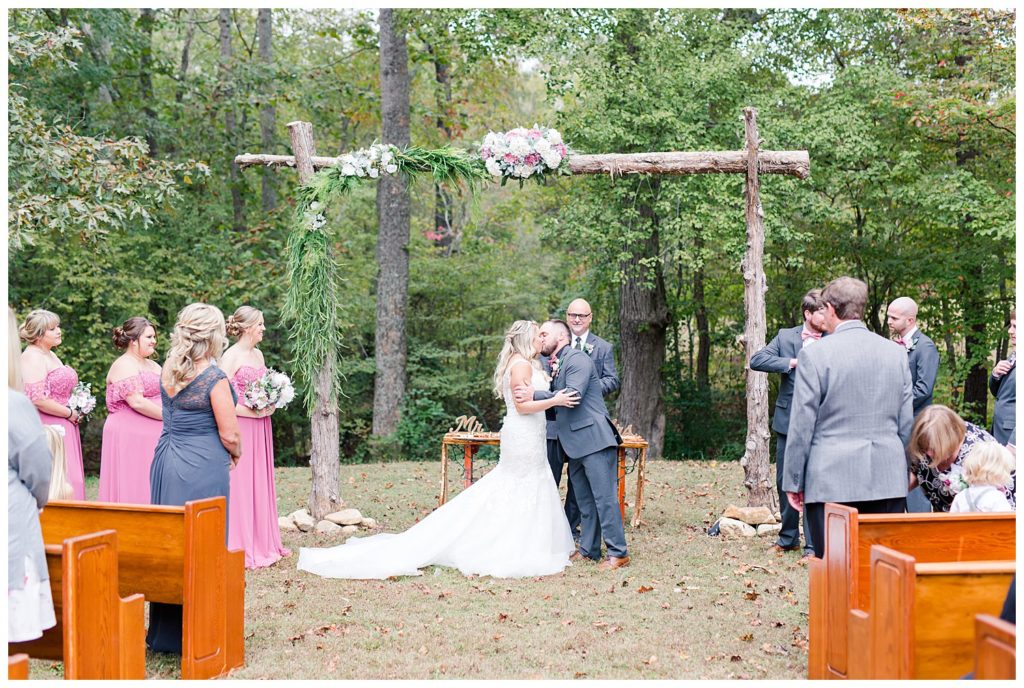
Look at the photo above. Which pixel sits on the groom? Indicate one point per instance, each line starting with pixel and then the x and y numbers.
pixel 590 440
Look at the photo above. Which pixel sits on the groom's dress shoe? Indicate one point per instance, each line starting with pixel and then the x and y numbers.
pixel 576 556
pixel 613 563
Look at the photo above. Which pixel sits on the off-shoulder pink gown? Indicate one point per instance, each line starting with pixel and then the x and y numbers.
pixel 252 506
pixel 129 441
pixel 58 385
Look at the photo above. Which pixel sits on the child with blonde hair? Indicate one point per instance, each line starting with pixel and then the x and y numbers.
pixel 988 470
pixel 60 486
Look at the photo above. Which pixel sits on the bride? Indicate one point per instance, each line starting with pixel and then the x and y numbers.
pixel 509 524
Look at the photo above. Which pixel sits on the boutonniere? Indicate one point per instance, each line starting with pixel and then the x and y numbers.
pixel 553 362
pixel 589 348
pixel 911 345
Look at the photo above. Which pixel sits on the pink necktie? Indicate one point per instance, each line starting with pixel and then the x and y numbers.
pixel 899 340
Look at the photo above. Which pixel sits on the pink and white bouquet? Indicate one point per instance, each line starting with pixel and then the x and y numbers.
pixel 272 389
pixel 82 400
pixel 524 153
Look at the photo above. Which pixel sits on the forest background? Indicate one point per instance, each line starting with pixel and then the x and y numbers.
pixel 123 199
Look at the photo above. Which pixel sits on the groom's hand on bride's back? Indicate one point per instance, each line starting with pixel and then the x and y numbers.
pixel 522 393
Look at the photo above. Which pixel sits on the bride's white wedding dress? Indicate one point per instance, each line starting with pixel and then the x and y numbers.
pixel 508 524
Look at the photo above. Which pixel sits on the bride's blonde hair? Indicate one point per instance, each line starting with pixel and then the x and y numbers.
pixel 518 341
pixel 198 334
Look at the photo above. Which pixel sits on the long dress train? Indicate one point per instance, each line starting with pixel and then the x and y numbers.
pixel 509 524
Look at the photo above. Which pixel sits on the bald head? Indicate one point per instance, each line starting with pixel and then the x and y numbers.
pixel 579 316
pixel 902 315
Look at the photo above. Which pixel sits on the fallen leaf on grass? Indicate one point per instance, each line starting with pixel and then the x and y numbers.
pixel 600 624
pixel 497 636
pixel 502 617
pixel 747 637
pixel 644 588
pixel 736 658
pixel 579 674
pixel 650 660
pixel 751 595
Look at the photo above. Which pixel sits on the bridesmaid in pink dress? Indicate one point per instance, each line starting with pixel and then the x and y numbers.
pixel 49 383
pixel 252 506
pixel 133 427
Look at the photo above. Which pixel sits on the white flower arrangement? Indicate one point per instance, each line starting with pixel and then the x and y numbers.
pixel 82 399
pixel 369 162
pixel 274 388
pixel 523 153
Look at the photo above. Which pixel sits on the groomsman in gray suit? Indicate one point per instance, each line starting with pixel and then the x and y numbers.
pixel 853 410
pixel 780 356
pixel 1003 385
pixel 923 359
pixel 579 316
pixel 590 440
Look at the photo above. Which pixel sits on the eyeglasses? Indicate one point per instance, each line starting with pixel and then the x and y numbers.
pixel 578 316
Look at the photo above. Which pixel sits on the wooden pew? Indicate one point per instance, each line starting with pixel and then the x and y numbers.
pixel 921 618
pixel 844 583
pixel 98 635
pixel 17 667
pixel 995 648
pixel 175 555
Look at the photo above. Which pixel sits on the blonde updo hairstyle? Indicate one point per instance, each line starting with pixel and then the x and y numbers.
pixel 518 340
pixel 198 335
pixel 37 323
pixel 130 331
pixel 242 319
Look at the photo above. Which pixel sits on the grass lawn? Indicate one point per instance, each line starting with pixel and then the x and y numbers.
pixel 689 606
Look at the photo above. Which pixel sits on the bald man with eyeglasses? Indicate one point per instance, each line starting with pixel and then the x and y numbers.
pixel 579 316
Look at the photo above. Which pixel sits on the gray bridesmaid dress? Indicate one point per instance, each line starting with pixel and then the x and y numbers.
pixel 190 463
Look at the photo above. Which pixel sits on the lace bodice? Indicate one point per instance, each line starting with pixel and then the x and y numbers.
pixel 539 382
pixel 118 391
pixel 57 385
pixel 195 396
pixel 244 375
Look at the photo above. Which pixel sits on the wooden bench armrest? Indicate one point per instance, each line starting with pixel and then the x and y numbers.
pixel 17 667
pixel 995 648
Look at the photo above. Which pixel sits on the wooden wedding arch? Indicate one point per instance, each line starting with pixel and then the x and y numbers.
pixel 752 162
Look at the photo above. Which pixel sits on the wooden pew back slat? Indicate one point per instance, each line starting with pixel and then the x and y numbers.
pixel 995 648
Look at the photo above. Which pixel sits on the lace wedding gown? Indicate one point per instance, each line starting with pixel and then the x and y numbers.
pixel 509 524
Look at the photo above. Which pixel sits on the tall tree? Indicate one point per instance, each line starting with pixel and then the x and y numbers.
pixel 147 20
pixel 264 30
pixel 227 92
pixel 393 213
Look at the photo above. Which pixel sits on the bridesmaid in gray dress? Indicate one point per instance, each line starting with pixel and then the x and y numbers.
pixel 200 441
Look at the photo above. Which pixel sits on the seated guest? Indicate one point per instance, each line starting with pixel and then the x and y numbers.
pixel 29 602
pixel 60 488
pixel 987 470
pixel 939 445
pixel 1003 385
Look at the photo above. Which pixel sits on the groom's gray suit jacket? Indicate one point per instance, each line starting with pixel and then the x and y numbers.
pixel 604 362
pixel 853 409
pixel 586 428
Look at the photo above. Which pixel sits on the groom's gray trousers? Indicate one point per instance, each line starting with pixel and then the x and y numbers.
pixel 594 480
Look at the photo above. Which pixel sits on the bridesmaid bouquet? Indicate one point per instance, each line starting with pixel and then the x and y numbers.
pixel 82 399
pixel 273 389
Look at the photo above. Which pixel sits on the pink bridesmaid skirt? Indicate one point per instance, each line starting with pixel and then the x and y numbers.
pixel 72 453
pixel 129 441
pixel 252 504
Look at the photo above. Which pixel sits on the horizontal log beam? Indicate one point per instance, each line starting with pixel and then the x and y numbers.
pixel 795 163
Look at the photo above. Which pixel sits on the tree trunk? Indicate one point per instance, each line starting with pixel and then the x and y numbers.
pixel 147 20
pixel 701 314
pixel 444 231
pixel 224 21
pixel 758 481
pixel 643 321
pixel 190 31
pixel 264 29
pixel 393 211
pixel 325 492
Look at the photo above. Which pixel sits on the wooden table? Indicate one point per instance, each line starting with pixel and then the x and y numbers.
pixel 471 443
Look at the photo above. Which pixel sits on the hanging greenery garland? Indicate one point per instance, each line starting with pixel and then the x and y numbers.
pixel 311 304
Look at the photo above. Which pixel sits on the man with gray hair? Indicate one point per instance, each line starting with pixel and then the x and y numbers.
pixel 852 414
